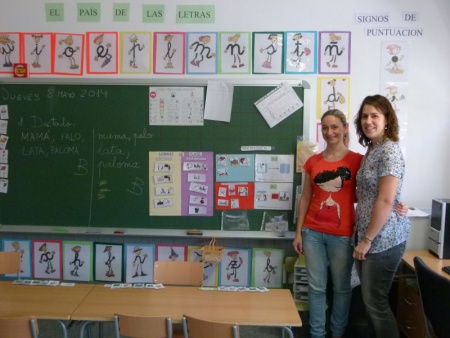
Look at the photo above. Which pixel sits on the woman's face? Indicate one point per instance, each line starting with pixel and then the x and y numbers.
pixel 373 123
pixel 333 129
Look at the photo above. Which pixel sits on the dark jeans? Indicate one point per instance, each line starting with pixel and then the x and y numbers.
pixel 376 274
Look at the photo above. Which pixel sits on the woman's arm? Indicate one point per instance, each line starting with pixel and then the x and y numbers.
pixel 380 213
pixel 303 208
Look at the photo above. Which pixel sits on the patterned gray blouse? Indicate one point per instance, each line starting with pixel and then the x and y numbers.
pixel 385 159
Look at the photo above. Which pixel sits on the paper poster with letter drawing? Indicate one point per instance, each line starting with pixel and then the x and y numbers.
pixel 10 51
pixel 235 267
pixel 201 51
pixel 334 52
pixel 169 52
pixel 300 54
pixel 333 93
pixel 273 195
pixel 278 104
pixel 47 259
pixel 394 61
pixel 108 262
pixel 24 247
pixel 268 52
pixel 136 52
pixel 102 52
pixel 210 269
pixel 397 94
pixel 68 54
pixel 78 258
pixel 38 52
pixel 267 267
pixel 139 259
pixel 235 52
pixel 168 252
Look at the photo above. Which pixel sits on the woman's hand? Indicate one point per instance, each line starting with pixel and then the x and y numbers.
pixel 298 243
pixel 361 250
pixel 401 209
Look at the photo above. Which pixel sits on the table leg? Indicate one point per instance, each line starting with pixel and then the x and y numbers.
pixel 288 330
pixel 64 328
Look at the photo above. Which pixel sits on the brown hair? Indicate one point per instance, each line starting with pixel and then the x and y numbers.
pixel 382 104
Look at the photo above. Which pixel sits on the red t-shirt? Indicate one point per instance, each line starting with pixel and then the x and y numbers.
pixel 334 193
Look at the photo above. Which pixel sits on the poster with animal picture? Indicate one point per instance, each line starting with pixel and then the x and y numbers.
pixel 333 93
pixel 47 259
pixel 268 52
pixel 210 269
pixel 234 268
pixel 167 252
pixel 334 52
pixel 108 262
pixel 300 55
pixel 24 247
pixel 139 259
pixel 267 267
pixel 77 261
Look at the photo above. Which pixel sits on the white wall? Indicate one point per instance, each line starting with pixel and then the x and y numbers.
pixel 428 134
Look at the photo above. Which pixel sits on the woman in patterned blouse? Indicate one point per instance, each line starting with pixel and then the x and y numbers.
pixel 381 234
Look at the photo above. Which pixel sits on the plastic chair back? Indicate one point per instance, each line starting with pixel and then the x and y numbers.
pixel 178 273
pixel 10 263
pixel 18 327
pixel 142 327
pixel 199 328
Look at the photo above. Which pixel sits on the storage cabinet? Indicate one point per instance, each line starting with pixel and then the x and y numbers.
pixel 409 309
pixel 300 287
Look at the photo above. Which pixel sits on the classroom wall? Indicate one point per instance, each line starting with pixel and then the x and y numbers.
pixel 428 122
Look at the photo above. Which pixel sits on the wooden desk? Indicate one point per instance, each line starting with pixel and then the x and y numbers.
pixel 274 308
pixel 42 302
pixel 429 259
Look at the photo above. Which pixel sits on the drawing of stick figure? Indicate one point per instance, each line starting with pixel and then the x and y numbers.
pixel 234 265
pixel 270 50
pixel 393 65
pixel 299 50
pixel 333 50
pixel 17 248
pixel 47 257
pixel 102 52
pixel 6 49
pixel 270 269
pixel 132 51
pixel 69 51
pixel 201 50
pixel 139 261
pixel 108 262
pixel 334 96
pixel 37 51
pixel 77 263
pixel 206 265
pixel 232 46
pixel 169 54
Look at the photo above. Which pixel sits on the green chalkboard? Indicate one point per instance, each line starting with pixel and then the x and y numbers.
pixel 78 154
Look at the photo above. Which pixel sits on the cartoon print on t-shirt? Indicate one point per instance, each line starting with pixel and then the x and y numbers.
pixel 331 181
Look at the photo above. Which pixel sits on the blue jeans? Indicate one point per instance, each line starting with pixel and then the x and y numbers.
pixel 322 251
pixel 376 274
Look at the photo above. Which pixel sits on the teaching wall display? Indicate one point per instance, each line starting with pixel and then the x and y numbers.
pixel 78 155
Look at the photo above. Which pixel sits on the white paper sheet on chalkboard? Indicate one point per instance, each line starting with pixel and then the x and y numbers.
pixel 278 104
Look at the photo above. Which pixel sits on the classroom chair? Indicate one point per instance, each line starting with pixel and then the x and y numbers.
pixel 18 327
pixel 200 328
pixel 142 327
pixel 435 296
pixel 10 262
pixel 178 273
